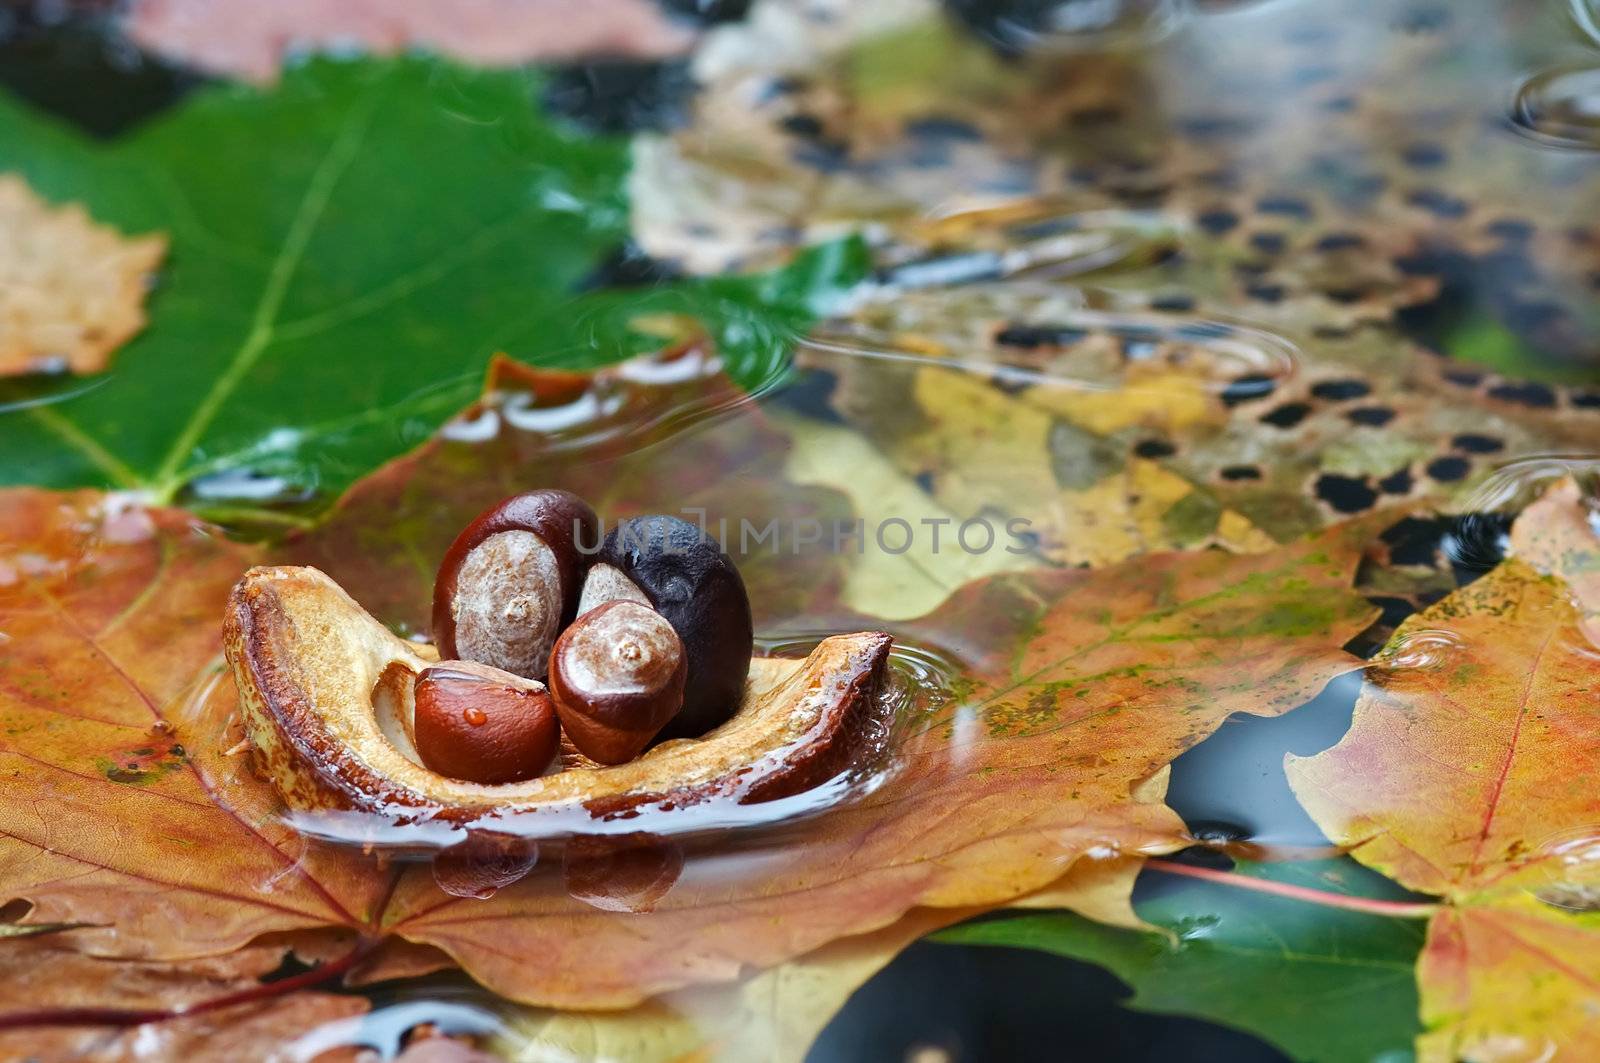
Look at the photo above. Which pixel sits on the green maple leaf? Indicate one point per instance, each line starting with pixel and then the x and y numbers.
pixel 348 250
pixel 1323 983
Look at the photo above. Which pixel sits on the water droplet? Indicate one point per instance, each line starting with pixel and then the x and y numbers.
pixel 1573 860
pixel 521 413
pixel 1517 484
pixel 1560 108
pixel 475 426
pixel 474 716
pixel 246 485
pixel 1427 648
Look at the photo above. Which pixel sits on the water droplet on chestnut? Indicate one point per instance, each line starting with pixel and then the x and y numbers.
pixel 482 724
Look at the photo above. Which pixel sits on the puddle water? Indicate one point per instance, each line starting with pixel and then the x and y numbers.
pixel 1149 276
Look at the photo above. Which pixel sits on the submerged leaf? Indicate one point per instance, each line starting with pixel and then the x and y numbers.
pixel 1463 776
pixel 1322 983
pixel 772 1015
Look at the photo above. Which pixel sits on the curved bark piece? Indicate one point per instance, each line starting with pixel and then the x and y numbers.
pixel 326 701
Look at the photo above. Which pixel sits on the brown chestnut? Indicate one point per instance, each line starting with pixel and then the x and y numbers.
pixel 510 581
pixel 617 676
pixel 686 577
pixel 481 724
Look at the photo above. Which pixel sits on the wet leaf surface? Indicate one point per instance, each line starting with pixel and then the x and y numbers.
pixel 773 1014
pixel 298 339
pixel 1076 687
pixel 48 972
pixel 1462 776
pixel 1118 431
pixel 1348 180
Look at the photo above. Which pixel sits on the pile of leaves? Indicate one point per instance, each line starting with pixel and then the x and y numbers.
pixel 1217 518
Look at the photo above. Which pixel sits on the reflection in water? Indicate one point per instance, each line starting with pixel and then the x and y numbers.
pixel 385 1028
pixel 482 864
pixel 630 873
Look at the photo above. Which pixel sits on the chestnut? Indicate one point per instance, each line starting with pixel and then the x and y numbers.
pixel 510 581
pixel 617 676
pixel 685 575
pixel 480 724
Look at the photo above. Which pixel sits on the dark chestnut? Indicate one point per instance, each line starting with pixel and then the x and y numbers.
pixel 510 581
pixel 617 676
pixel 686 577
pixel 481 724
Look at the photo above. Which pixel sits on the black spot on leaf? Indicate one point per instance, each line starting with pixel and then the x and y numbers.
pixel 1286 416
pixel 1345 494
pixel 1397 483
pixel 1340 390
pixel 1154 448
pixel 1374 416
pixel 1247 389
pixel 1473 443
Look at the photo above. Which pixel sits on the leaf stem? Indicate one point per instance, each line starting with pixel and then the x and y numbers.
pixel 1393 909
pixel 124 1017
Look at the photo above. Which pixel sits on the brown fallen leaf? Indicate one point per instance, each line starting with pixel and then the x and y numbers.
pixel 1080 685
pixel 776 1014
pixel 48 971
pixel 71 290
pixel 252 40
pixel 1467 773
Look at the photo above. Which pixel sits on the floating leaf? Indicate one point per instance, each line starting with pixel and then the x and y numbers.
pixel 1462 776
pixel 1074 688
pixel 771 1015
pixel 1320 982
pixel 249 40
pixel 319 314
pixel 71 291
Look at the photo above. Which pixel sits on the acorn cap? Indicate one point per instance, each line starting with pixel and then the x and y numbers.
pixel 691 581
